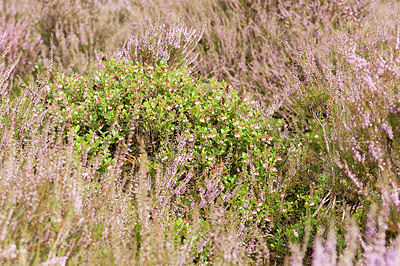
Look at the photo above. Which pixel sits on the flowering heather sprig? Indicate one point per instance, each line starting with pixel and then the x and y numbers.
pixel 24 45
pixel 375 249
pixel 167 181
pixel 213 187
pixel 78 29
pixel 324 252
pixel 5 71
pixel 155 43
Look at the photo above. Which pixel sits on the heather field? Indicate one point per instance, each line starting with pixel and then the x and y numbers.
pixel 237 132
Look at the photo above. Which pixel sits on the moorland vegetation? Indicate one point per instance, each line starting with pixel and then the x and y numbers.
pixel 195 132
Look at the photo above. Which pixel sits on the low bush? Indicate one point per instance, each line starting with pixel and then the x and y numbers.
pixel 226 142
pixel 157 104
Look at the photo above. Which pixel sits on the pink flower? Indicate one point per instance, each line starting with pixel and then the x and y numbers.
pixel 266 138
pixel 299 144
pixel 211 135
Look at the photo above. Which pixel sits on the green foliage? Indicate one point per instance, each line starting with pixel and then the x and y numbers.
pixel 227 135
pixel 159 103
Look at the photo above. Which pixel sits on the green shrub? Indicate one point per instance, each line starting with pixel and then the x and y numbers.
pixel 221 126
pixel 236 152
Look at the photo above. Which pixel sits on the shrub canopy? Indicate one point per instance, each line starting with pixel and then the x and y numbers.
pixel 159 103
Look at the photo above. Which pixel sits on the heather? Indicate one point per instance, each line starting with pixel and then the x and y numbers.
pixel 194 132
